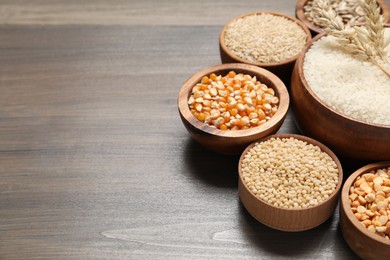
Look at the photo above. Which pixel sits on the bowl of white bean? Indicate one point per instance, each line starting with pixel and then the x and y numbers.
pixel 365 211
pixel 289 182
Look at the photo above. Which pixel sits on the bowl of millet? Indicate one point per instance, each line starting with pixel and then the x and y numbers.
pixel 270 40
pixel 341 97
pixel 289 182
pixel 226 107
pixel 365 211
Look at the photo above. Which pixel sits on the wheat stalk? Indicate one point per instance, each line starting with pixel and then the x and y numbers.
pixel 365 43
pixel 375 27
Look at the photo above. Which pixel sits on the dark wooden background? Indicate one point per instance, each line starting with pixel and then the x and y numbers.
pixel 94 160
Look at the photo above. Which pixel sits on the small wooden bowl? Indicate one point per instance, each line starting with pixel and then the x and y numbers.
pixel 289 219
pixel 300 14
pixel 347 137
pixel 282 69
pixel 364 243
pixel 232 141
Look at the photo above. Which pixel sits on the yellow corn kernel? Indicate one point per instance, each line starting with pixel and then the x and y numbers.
pixel 201 117
pixel 223 127
pixel 260 114
pixel 233 112
pixel 205 80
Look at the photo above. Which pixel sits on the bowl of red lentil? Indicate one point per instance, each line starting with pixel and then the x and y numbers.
pixel 289 182
pixel 349 11
pixel 228 106
pixel 365 211
pixel 270 40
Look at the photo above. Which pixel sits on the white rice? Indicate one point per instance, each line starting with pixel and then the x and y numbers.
pixel 354 88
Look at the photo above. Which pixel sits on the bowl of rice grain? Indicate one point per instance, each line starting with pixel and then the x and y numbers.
pixel 342 101
pixel 349 11
pixel 289 182
pixel 228 106
pixel 269 40
pixel 365 211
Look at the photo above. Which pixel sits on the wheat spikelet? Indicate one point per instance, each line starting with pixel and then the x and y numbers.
pixel 375 32
pixel 365 43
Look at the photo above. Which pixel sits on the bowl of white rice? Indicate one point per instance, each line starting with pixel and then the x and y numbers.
pixel 270 40
pixel 341 101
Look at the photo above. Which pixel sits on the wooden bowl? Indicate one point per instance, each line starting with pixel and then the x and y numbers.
pixel 300 14
pixel 364 243
pixel 289 219
pixel 282 69
pixel 347 137
pixel 232 141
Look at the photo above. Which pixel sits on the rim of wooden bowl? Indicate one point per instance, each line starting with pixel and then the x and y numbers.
pixel 268 64
pixel 300 14
pixel 279 87
pixel 346 205
pixel 308 140
pixel 299 64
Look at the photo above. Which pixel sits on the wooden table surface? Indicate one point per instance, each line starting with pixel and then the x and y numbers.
pixel 94 160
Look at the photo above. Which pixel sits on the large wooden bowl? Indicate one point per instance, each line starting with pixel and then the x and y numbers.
pixel 232 141
pixel 300 14
pixel 364 243
pixel 282 69
pixel 347 137
pixel 289 219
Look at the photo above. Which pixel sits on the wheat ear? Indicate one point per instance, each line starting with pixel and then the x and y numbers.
pixel 364 43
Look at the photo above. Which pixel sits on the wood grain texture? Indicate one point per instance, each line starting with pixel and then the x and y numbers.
pixel 94 160
pixel 134 12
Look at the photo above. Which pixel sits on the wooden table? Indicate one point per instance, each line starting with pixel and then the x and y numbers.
pixel 94 160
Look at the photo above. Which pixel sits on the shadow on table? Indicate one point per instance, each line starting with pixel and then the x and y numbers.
pixel 213 168
pixel 323 241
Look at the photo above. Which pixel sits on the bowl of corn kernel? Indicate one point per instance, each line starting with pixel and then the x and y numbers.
pixel 365 211
pixel 226 107
pixel 289 182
